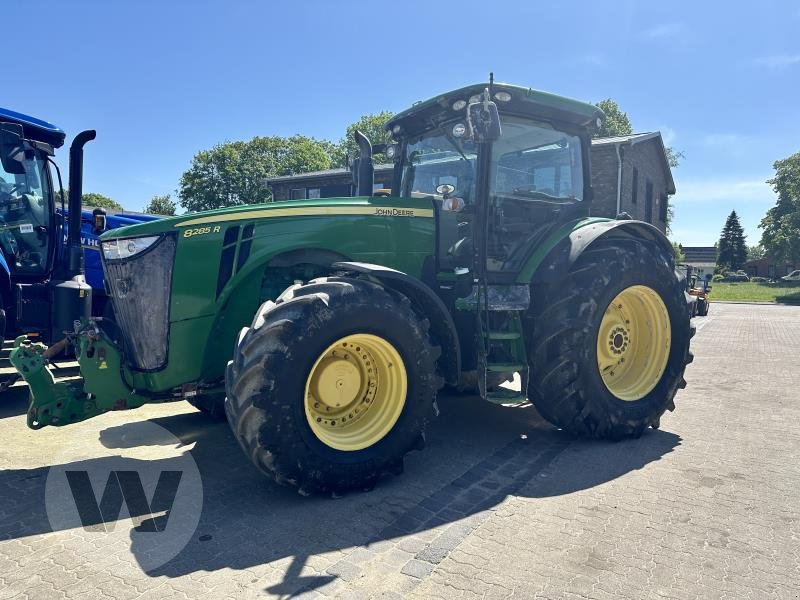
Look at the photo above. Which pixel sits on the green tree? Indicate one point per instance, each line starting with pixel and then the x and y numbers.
pixel 756 252
pixel 674 156
pixel 678 250
pixel 616 121
pixel 372 126
pixel 781 225
pixel 95 200
pixel 234 173
pixel 161 205
pixel 732 247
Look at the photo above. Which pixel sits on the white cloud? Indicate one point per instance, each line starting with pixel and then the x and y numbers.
pixel 664 31
pixel 593 60
pixel 777 61
pixel 724 139
pixel 691 191
pixel 668 134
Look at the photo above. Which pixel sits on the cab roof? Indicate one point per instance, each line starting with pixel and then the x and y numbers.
pixel 34 129
pixel 524 101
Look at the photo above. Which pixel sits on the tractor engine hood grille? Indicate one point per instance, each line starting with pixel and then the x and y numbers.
pixel 140 287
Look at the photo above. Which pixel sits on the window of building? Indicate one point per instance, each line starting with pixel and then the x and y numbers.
pixel 313 193
pixel 648 202
pixel 635 186
pixel 297 194
pixel 663 206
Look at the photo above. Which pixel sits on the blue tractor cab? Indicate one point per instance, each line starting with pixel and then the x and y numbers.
pixel 46 251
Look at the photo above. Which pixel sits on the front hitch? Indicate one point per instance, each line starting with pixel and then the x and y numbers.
pixel 103 385
pixel 51 402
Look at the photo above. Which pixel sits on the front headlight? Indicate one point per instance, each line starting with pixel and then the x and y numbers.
pixel 125 248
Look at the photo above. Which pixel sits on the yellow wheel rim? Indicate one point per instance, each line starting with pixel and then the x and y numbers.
pixel 355 392
pixel 633 343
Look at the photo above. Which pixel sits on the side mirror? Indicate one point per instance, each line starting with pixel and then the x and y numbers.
pixel 99 220
pixel 445 189
pixel 483 120
pixel 12 149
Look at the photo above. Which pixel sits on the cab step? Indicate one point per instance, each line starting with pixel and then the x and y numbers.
pixel 504 335
pixel 506 367
pixel 506 397
pixel 497 298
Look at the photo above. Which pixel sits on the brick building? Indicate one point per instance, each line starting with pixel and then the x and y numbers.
pixel 639 162
pixel 631 174
pixel 769 267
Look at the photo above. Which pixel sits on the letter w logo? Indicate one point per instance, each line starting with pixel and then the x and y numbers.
pixel 124 486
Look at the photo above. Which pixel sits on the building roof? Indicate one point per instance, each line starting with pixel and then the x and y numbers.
pixel 636 138
pixel 700 254
pixel 323 173
pixel 624 139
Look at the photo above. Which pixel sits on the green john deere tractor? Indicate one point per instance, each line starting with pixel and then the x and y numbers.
pixel 324 328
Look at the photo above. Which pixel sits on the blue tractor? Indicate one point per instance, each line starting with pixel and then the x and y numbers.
pixel 50 270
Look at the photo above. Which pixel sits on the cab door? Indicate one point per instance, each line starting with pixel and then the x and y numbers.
pixel 27 218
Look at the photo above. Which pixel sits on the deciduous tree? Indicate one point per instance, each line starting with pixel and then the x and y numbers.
pixel 372 125
pixel 161 205
pixel 234 173
pixel 781 225
pixel 95 200
pixel 616 121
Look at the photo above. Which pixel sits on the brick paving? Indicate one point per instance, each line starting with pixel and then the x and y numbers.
pixel 499 504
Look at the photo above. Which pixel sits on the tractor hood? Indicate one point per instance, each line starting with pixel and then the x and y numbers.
pixel 319 207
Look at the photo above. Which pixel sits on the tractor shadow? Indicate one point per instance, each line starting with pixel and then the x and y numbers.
pixel 477 455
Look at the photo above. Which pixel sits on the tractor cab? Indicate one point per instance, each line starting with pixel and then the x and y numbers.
pixel 504 166
pixel 42 285
pixel 27 200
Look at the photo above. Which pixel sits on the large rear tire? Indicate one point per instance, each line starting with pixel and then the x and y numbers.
pixel 611 341
pixel 332 385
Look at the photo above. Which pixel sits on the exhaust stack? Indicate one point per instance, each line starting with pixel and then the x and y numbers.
pixel 75 264
pixel 366 171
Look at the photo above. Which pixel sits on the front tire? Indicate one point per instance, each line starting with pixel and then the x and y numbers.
pixel 332 385
pixel 622 301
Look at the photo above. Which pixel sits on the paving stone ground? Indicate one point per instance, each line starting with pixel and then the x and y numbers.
pixel 498 505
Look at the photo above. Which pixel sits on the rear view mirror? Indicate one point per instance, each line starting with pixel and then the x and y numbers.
pixel 12 149
pixel 99 220
pixel 484 120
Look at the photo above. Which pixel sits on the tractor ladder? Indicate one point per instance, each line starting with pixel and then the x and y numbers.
pixel 501 344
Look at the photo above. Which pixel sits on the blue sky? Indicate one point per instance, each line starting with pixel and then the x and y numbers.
pixel 161 80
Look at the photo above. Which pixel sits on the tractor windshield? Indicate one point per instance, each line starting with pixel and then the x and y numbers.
pixel 439 159
pixel 535 172
pixel 534 161
pixel 25 213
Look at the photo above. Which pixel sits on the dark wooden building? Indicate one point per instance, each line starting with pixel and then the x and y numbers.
pixel 629 174
pixel 331 183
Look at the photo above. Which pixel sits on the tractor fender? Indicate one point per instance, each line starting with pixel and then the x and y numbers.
pixel 428 303
pixel 557 262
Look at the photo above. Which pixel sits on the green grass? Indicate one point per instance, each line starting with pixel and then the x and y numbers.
pixel 756 292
